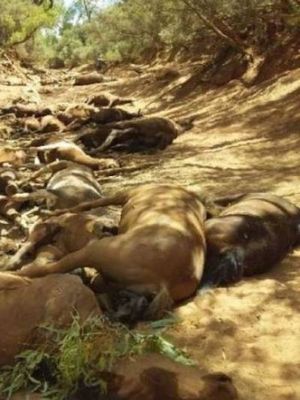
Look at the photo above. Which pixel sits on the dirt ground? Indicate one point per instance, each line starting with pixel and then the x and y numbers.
pixel 244 140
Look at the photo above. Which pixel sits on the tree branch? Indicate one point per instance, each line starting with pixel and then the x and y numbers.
pixel 87 10
pixel 223 31
pixel 27 37
pixel 40 2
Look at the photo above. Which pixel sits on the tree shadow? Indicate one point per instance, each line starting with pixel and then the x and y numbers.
pixel 249 331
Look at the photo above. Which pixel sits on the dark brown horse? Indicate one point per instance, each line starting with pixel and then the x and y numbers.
pixel 249 237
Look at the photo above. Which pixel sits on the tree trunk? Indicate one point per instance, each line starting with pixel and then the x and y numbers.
pixel 87 10
pixel 222 30
pixel 26 37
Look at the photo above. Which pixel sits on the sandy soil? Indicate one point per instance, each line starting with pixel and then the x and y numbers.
pixel 243 140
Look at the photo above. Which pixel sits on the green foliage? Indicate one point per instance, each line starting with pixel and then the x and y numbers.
pixel 73 47
pixel 70 41
pixel 20 19
pixel 129 30
pixel 77 356
pixel 132 29
pixel 13 379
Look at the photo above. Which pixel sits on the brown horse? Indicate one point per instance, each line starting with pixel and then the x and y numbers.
pixel 249 237
pixel 159 251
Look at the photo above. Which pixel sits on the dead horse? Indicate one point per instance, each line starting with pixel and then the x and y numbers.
pixel 249 237
pixel 159 251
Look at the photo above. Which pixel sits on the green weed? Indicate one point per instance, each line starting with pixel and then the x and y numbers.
pixel 78 356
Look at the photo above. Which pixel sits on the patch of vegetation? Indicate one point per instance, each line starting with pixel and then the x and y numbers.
pixel 20 20
pixel 81 31
pixel 133 30
pixel 78 356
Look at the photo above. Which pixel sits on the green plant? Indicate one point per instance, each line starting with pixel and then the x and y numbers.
pixel 79 355
pixel 20 20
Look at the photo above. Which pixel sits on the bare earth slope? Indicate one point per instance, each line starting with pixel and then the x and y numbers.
pixel 243 140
